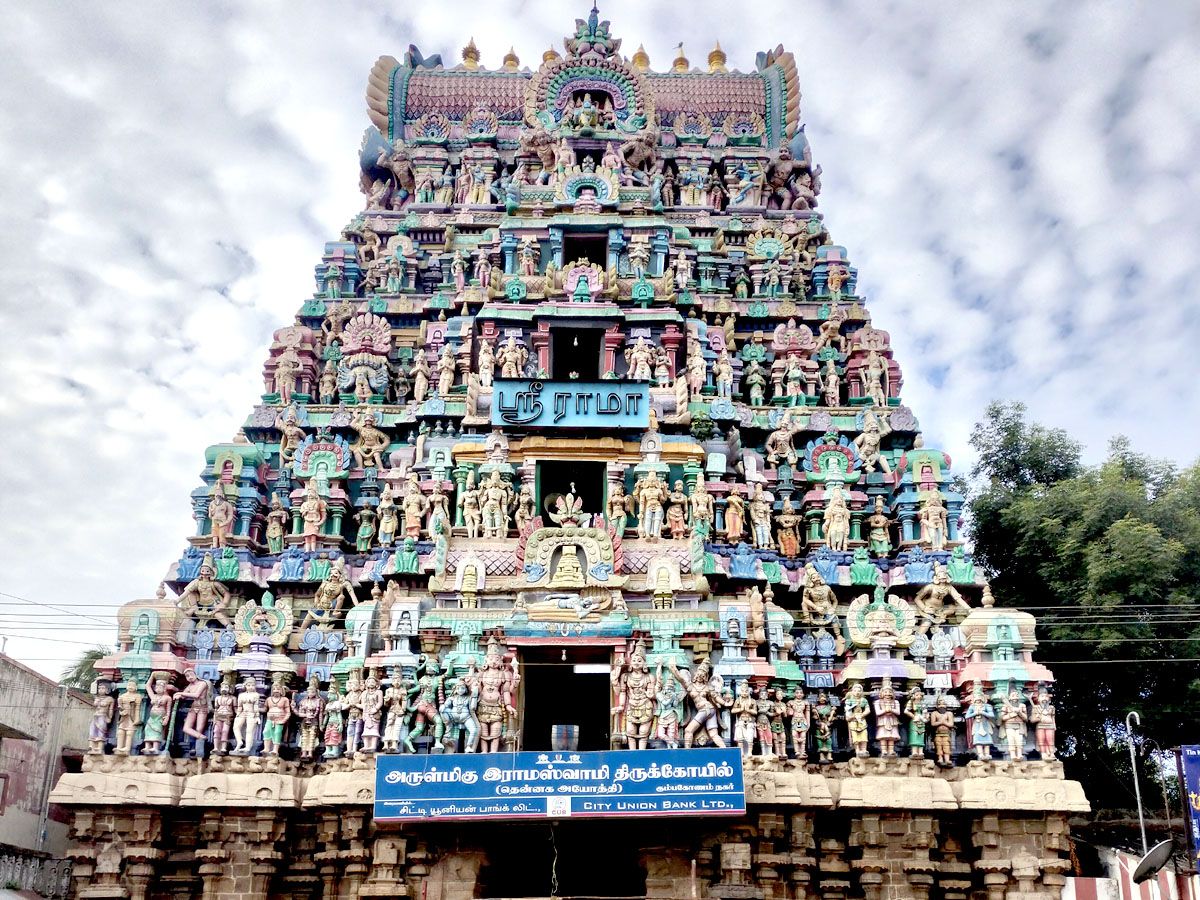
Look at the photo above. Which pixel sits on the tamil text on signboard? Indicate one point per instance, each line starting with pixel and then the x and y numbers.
pixel 571 404
pixel 698 782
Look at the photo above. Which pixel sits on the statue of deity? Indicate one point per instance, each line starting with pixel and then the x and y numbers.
pixel 277 525
pixel 224 707
pixel 497 501
pixel 199 692
pixel 221 516
pixel 525 508
pixel 333 729
pixel 205 597
pixel 617 508
pixel 248 717
pixel 419 375
pixel 744 713
pixel 934 523
pixel 878 530
pixel 735 516
pixel 875 379
pixel 640 357
pixel 887 719
pixel 754 382
pixel 497 689
pixel 414 505
pixel 868 445
pixel 291 436
pixel 703 512
pixel 918 720
pixel 370 444
pixel 487 364
pixel 512 358
pixel 313 512
pixel 395 704
pixel 831 384
pixel 706 701
pixel 387 517
pixel 129 717
pixel 760 519
pixel 470 501
pixel 1015 719
pixel 941 720
pixel 158 713
pixel 779 442
pixel 425 700
pixel 677 512
pixel 279 713
pixel 371 703
pixel 309 707
pixel 936 600
pixel 635 689
pixel 836 521
pixel 825 714
pixel 818 602
pixel 438 521
pixel 327 602
pixel 787 530
pixel 365 533
pixel 446 371
pixel 459 714
pixel 856 710
pixel 103 706
pixel 1044 719
pixel 800 712
pixel 327 384
pixel 723 375
pixel 650 494
pixel 981 720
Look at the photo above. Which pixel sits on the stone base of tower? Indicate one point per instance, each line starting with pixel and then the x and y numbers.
pixel 238 827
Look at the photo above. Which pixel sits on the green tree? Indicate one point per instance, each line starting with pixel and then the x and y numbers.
pixel 1108 558
pixel 82 672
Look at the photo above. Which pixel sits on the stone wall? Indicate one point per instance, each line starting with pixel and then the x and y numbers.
pixel 876 829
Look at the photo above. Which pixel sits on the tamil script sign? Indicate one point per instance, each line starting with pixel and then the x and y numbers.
pixel 1191 789
pixel 698 782
pixel 571 404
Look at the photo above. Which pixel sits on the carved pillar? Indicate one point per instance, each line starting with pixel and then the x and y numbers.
pixel 354 856
pixel 834 871
pixel 540 341
pixel 671 338
pixel 801 859
pixel 327 856
pixel 385 877
pixel 613 339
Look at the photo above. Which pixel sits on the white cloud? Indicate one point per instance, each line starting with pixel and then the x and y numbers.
pixel 1015 183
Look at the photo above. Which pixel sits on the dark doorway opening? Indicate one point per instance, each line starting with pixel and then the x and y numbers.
pixel 575 354
pixel 584 245
pixel 555 477
pixel 588 859
pixel 557 693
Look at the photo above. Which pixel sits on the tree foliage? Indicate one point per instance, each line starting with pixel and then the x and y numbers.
pixel 1108 558
pixel 82 672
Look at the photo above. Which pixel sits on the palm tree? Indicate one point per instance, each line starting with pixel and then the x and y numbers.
pixel 81 673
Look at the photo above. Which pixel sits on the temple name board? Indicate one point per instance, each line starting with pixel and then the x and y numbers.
pixel 571 404
pixel 599 784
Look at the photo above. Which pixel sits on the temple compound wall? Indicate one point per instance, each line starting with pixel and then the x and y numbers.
pixel 584 449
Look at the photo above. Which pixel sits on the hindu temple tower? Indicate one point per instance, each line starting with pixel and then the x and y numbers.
pixel 585 458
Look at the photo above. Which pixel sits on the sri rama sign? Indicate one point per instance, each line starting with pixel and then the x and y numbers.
pixel 571 404
pixel 696 782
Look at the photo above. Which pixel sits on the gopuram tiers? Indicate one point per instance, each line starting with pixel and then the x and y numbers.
pixel 585 434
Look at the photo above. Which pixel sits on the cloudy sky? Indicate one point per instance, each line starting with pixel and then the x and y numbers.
pixel 1016 182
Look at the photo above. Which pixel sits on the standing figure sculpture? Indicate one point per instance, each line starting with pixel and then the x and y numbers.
pixel 856 710
pixel 1044 719
pixel 918 719
pixel 760 519
pixel 981 719
pixel 941 720
pixel 635 689
pixel 800 712
pixel 887 719
pixel 497 689
pixel 224 709
pixel 371 701
pixel 103 706
pixel 459 714
pixel 129 717
pixel 706 702
pixel 824 713
pixel 836 521
pixel 277 522
pixel 1015 719
pixel 313 512
pixel 735 516
pixel 497 500
pixel 425 701
pixel 248 717
pixel 446 369
pixel 221 516
pixel 934 524
pixel 874 377
pixel 723 375
pixel 744 712
pixel 279 713
pixel 158 714
pixel 309 707
pixel 199 691
pixel 878 536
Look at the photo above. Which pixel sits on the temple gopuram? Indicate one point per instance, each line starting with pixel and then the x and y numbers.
pixel 581 544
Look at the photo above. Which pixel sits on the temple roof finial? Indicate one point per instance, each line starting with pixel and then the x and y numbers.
pixel 681 63
pixel 717 59
pixel 641 60
pixel 511 61
pixel 470 55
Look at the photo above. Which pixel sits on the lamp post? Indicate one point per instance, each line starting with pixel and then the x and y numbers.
pixel 1137 788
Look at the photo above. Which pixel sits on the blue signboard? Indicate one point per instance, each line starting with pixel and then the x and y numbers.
pixel 1191 789
pixel 617 783
pixel 571 404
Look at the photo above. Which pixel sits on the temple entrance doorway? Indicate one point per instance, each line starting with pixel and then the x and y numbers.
pixel 555 477
pixel 575 354
pixel 564 859
pixel 570 691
